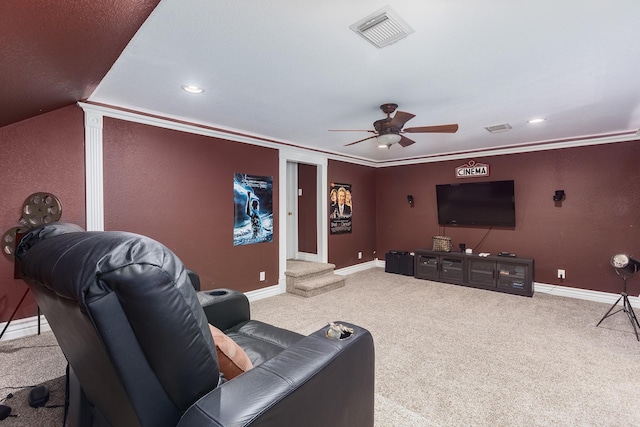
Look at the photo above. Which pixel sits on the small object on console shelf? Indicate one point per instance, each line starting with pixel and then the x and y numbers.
pixel 441 243
pixel 507 254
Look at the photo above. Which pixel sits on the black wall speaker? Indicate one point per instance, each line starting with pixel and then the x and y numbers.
pixel 559 196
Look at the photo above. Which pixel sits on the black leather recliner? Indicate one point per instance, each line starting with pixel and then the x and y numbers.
pixel 135 333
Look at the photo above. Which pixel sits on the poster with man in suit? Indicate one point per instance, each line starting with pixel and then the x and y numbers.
pixel 340 208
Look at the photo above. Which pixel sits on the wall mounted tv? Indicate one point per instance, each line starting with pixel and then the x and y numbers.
pixel 477 203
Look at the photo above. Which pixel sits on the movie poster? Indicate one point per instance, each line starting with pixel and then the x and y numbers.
pixel 341 208
pixel 253 207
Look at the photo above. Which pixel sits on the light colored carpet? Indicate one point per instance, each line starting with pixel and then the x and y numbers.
pixel 446 355
pixel 25 363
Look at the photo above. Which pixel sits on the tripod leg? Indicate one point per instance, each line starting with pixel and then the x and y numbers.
pixel 632 315
pixel 607 314
pixel 14 313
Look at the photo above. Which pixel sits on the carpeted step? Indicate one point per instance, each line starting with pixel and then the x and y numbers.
pixel 315 286
pixel 308 269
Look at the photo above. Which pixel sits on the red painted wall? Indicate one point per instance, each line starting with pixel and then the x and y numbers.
pixel 599 217
pixel 177 188
pixel 42 154
pixel 344 248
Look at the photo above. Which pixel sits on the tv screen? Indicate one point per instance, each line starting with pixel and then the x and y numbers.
pixel 477 203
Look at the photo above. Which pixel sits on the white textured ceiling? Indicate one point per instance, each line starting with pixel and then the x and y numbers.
pixel 291 70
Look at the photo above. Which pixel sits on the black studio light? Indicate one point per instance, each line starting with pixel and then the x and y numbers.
pixel 626 267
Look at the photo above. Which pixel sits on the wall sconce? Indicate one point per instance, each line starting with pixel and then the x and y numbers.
pixel 559 196
pixel 410 200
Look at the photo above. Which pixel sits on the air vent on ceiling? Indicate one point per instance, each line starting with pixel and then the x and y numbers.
pixel 499 128
pixel 382 28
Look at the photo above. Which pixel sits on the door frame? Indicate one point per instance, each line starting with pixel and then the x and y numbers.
pixel 284 188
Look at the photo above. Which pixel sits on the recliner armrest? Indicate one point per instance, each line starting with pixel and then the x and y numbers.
pixel 316 382
pixel 224 307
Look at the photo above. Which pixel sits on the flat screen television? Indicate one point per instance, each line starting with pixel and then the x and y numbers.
pixel 477 203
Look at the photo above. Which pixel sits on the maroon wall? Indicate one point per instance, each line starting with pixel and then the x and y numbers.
pixel 599 217
pixel 42 154
pixel 177 188
pixel 344 248
pixel 308 208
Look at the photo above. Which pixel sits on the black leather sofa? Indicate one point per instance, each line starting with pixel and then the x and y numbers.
pixel 135 332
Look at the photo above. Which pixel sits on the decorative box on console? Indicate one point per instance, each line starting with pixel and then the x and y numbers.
pixel 399 262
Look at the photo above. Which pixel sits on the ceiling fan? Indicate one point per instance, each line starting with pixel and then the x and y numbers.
pixel 389 130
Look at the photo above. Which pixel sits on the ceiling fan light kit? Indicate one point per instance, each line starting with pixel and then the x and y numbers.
pixel 387 140
pixel 389 131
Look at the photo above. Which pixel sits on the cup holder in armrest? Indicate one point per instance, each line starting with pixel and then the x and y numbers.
pixel 338 331
pixel 217 292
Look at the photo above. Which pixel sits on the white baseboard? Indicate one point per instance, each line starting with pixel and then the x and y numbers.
pixel 262 293
pixel 24 327
pixel 565 291
pixel 585 294
pixel 29 326
pixel 304 256
pixel 356 268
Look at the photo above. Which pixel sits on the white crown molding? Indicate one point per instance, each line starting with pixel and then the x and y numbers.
pixel 180 124
pixel 517 149
pixel 205 129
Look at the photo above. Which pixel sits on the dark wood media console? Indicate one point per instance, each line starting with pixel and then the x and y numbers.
pixel 497 273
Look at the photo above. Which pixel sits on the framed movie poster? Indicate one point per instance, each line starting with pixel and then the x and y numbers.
pixel 253 208
pixel 341 208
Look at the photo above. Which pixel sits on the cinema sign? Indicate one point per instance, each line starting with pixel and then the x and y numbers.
pixel 472 170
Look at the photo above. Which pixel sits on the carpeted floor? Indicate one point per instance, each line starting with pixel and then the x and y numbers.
pixel 445 355
pixel 448 355
pixel 26 363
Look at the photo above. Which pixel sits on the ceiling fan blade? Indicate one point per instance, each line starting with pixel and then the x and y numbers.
pixel 360 140
pixel 400 119
pixel 405 142
pixel 453 128
pixel 351 130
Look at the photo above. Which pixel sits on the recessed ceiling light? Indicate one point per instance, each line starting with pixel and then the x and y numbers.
pixel 538 120
pixel 192 89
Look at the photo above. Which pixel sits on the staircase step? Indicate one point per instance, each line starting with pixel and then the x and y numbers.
pixel 307 269
pixel 316 286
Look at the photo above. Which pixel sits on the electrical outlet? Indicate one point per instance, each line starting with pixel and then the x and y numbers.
pixel 561 274
pixel 359 255
pixel 263 276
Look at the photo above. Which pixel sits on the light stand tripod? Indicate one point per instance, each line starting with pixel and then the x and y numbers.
pixel 14 313
pixel 37 209
pixel 626 305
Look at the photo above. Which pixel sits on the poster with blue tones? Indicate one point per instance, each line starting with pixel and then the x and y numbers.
pixel 253 208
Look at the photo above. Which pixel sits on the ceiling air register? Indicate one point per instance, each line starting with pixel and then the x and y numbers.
pixel 382 28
